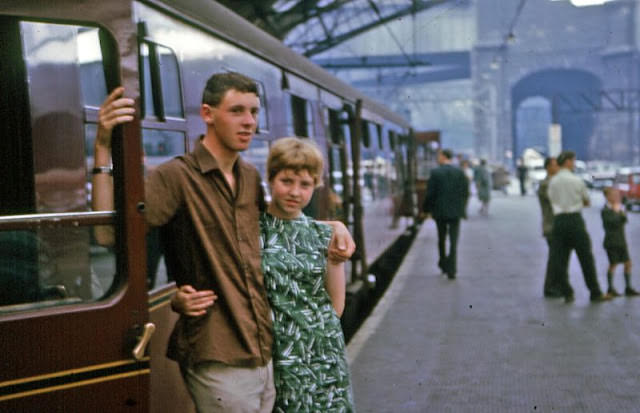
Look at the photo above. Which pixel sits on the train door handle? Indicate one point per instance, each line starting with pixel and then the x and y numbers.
pixel 143 340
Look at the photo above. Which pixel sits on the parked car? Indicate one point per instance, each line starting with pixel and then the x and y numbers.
pixel 628 182
pixel 603 173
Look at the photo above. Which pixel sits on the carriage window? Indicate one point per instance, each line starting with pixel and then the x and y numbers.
pixel 375 135
pixel 170 78
pixel 392 140
pixel 48 252
pixel 299 117
pixel 335 172
pixel 147 95
pixel 334 126
pixel 94 87
pixel 160 146
pixel 161 80
pixel 366 138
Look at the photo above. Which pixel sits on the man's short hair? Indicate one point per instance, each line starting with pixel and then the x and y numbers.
pixel 565 156
pixel 447 153
pixel 219 83
pixel 295 154
pixel 547 161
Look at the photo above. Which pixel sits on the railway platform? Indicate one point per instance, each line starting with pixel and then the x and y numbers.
pixel 488 341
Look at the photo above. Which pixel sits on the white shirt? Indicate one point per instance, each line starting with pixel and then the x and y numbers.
pixel 567 192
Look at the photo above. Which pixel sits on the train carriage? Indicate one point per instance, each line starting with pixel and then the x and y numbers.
pixel 76 317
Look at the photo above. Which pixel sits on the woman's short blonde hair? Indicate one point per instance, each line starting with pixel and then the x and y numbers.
pixel 295 154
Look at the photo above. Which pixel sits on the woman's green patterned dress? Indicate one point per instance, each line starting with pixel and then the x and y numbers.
pixel 309 361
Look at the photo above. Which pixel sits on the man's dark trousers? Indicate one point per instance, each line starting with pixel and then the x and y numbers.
pixel 552 284
pixel 447 262
pixel 569 233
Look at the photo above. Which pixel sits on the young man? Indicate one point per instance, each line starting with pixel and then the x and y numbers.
pixel 208 202
pixel 568 195
pixel 447 193
pixel 551 282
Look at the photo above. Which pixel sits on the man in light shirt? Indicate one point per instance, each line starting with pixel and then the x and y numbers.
pixel 568 195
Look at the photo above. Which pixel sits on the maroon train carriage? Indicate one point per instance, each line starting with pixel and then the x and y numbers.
pixel 84 327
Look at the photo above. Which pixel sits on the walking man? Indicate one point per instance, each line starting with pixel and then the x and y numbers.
pixel 551 281
pixel 447 194
pixel 568 195
pixel 522 176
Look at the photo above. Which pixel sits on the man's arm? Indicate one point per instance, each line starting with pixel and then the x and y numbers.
pixel 335 284
pixel 427 204
pixel 465 187
pixel 586 200
pixel 114 111
pixel 342 246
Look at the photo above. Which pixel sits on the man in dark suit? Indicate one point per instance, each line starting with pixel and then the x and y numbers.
pixel 447 193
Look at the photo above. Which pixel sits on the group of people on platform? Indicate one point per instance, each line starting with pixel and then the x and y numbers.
pixel 261 287
pixel 562 195
pixel 446 199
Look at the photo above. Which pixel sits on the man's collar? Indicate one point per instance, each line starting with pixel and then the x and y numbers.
pixel 205 159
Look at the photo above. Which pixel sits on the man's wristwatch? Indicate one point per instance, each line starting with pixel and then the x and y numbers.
pixel 102 170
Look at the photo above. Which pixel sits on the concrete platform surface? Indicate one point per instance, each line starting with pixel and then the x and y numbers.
pixel 488 341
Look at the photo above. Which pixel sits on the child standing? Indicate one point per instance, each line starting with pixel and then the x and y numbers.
pixel 615 243
pixel 306 291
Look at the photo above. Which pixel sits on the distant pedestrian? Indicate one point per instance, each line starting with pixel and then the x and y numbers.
pixel 469 172
pixel 615 243
pixel 568 195
pixel 447 194
pixel 551 281
pixel 484 184
pixel 522 176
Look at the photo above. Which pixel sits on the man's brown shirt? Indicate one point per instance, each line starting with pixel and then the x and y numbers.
pixel 212 242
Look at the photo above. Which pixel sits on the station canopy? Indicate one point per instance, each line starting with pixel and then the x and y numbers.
pixel 310 27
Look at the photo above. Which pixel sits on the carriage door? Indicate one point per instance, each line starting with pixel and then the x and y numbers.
pixel 72 309
pixel 339 161
pixel 341 164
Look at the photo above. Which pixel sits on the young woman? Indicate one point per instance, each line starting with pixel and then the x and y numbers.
pixel 306 291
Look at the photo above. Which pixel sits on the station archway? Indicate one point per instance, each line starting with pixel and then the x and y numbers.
pixel 551 85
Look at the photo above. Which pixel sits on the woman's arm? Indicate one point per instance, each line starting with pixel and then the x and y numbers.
pixel 336 285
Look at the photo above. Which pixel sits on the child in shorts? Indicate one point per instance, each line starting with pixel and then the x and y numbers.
pixel 615 243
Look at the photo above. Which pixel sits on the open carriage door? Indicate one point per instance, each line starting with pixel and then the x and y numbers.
pixel 72 311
